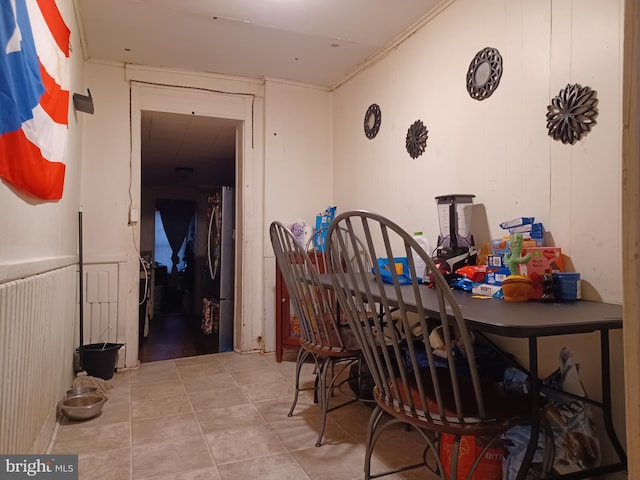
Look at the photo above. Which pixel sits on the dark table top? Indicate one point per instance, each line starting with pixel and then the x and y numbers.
pixel 520 319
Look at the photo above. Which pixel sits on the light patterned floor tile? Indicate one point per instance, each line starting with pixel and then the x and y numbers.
pixel 274 467
pixel 245 443
pixel 105 465
pixel 174 427
pixel 171 457
pixel 224 417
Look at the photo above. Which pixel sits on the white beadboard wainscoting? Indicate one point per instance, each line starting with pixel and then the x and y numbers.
pixel 38 317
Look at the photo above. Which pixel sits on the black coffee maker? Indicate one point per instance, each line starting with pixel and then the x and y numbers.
pixel 456 247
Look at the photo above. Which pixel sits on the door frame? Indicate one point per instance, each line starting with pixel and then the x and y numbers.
pixel 182 93
pixel 631 229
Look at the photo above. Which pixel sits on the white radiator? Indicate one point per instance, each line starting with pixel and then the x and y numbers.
pixel 100 303
pixel 37 328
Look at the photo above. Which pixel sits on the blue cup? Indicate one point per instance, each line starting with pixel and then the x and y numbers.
pixel 567 286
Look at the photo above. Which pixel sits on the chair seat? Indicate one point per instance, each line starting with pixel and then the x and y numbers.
pixel 503 408
pixel 327 351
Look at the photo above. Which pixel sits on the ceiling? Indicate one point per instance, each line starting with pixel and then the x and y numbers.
pixel 315 42
pixel 171 144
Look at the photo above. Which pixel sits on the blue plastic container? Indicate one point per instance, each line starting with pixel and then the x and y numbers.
pixel 567 286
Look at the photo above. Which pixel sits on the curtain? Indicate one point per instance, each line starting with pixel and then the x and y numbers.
pixel 176 217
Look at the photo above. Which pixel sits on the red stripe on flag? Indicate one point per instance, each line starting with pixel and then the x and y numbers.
pixel 55 100
pixel 24 167
pixel 56 24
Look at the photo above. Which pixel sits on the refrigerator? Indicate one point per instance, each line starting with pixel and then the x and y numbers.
pixel 218 288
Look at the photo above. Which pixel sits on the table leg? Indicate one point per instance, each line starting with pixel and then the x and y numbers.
pixel 605 406
pixel 606 396
pixel 534 391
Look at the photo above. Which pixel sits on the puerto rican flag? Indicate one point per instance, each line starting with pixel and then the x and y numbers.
pixel 34 96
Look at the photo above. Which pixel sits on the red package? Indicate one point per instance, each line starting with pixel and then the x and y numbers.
pixel 475 273
pixel 490 466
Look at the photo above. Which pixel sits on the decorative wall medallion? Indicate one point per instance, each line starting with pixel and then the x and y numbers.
pixel 572 113
pixel 417 139
pixel 372 120
pixel 485 71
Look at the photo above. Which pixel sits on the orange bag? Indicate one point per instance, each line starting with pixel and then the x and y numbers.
pixel 490 466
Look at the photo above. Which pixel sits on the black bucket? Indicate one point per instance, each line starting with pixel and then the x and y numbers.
pixel 99 359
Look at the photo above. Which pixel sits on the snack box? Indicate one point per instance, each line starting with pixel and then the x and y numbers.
pixel 495 276
pixel 542 258
pixel 487 290
pixel 495 261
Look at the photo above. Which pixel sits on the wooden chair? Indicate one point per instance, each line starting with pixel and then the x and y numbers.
pixel 436 391
pixel 321 336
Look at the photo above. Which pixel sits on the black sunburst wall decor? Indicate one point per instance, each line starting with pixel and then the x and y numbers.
pixel 416 141
pixel 572 113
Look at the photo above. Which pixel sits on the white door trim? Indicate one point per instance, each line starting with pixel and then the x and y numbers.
pixel 248 110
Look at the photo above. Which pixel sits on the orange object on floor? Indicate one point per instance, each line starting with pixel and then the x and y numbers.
pixel 489 468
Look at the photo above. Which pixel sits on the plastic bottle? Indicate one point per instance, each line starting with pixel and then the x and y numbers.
pixel 548 294
pixel 417 260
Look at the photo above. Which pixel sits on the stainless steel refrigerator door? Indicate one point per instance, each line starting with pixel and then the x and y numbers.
pixel 222 260
pixel 227 250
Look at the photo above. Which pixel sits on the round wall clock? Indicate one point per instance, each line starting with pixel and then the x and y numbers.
pixel 416 142
pixel 572 113
pixel 484 73
pixel 372 120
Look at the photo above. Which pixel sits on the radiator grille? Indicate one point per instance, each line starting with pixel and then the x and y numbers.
pixel 37 325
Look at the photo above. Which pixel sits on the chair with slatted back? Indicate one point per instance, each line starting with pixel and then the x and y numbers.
pixel 321 336
pixel 436 390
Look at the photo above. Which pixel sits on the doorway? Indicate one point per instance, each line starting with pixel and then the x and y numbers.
pixel 242 104
pixel 184 158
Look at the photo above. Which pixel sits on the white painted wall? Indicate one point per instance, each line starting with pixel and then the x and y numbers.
pixel 298 181
pixel 499 148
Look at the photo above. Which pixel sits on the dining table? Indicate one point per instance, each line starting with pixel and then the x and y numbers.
pixel 531 320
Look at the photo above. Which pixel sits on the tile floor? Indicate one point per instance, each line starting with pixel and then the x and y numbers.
pixel 224 417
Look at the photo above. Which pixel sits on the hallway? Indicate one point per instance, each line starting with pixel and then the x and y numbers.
pixel 173 336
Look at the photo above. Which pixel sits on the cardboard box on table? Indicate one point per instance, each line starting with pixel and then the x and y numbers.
pixel 542 259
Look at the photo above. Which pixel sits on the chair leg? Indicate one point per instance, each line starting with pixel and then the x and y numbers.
pixel 316 386
pixel 377 425
pixel 323 396
pixel 373 422
pixel 300 359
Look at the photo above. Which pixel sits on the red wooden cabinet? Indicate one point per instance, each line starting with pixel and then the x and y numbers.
pixel 287 328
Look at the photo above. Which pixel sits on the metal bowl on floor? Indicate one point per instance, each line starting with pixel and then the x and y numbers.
pixel 74 392
pixel 82 407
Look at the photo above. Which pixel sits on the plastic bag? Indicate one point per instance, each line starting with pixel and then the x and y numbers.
pixel 575 439
pixel 574 434
pixel 301 231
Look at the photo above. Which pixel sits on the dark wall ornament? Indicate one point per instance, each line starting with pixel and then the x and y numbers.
pixel 485 71
pixel 572 113
pixel 416 142
pixel 372 120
